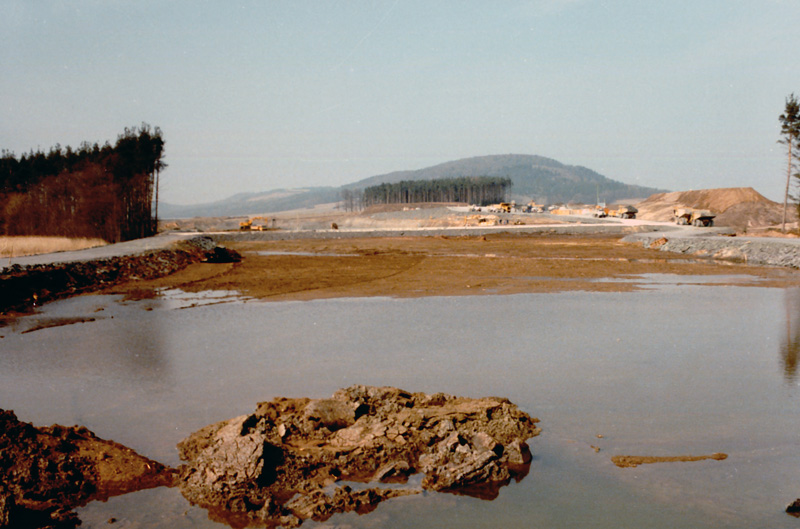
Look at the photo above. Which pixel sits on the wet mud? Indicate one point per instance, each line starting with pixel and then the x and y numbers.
pixel 504 263
pixel 273 467
pixel 47 472
pixel 26 287
pixel 635 461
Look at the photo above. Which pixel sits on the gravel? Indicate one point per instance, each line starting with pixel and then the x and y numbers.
pixel 752 250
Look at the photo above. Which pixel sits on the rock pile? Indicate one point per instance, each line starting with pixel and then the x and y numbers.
pixel 274 465
pixel 769 252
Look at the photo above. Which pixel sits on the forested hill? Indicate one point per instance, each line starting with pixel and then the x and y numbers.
pixel 534 177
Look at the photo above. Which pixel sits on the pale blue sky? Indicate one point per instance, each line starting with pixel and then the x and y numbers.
pixel 253 96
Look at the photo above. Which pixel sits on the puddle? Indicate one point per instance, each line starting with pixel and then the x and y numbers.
pixel 655 280
pixel 175 298
pixel 308 254
pixel 679 369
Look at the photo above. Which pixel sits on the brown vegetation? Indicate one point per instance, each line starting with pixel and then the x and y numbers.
pixel 22 246
pixel 105 192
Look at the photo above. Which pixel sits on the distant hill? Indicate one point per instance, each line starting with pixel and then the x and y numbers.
pixel 254 203
pixel 535 178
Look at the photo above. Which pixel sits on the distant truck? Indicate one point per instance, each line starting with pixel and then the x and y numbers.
pixel 624 212
pixel 502 207
pixel 695 217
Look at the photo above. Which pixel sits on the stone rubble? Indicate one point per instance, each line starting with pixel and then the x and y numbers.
pixel 274 465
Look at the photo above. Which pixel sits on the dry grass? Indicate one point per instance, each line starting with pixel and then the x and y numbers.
pixel 22 246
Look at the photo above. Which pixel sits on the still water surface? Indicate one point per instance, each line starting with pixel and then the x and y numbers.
pixel 671 370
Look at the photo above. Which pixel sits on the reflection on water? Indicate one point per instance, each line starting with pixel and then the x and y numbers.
pixel 791 342
pixel 671 370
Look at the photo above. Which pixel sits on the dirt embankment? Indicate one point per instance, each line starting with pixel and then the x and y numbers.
pixel 46 472
pixel 742 208
pixel 759 251
pixel 25 287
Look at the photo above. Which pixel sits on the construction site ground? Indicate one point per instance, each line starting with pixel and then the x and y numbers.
pixel 501 263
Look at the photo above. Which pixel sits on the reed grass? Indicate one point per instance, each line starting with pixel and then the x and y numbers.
pixel 20 246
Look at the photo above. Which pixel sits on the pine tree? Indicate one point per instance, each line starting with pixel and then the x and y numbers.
pixel 790 130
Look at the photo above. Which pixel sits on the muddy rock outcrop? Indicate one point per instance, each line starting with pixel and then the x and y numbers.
pixel 277 465
pixel 46 472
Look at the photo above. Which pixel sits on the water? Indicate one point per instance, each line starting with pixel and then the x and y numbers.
pixel 671 370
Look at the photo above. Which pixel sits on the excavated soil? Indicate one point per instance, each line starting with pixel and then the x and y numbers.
pixel 445 266
pixel 45 472
pixel 742 208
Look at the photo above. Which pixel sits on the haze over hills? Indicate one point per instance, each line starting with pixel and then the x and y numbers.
pixel 534 178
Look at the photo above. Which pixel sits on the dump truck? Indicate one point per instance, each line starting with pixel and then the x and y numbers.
pixel 624 212
pixel 502 207
pixel 695 217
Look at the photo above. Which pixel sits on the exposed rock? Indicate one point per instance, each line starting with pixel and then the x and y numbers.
pixel 794 508
pixel 273 466
pixel 220 254
pixel 46 472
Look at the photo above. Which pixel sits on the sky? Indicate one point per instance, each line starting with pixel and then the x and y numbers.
pixel 261 95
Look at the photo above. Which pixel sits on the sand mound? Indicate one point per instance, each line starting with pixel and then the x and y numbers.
pixel 739 207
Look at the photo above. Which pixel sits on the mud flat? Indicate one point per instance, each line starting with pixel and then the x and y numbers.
pixel 493 264
pixel 635 461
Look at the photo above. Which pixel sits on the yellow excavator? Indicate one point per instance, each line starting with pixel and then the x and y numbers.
pixel 248 224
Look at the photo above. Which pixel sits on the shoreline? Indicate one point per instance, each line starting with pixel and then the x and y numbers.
pixel 474 260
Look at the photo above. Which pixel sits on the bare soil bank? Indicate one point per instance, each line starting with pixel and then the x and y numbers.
pixel 45 472
pixel 25 287
pixel 501 263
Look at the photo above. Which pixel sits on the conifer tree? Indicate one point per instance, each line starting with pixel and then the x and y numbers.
pixel 790 130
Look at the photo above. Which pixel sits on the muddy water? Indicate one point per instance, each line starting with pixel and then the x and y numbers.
pixel 673 370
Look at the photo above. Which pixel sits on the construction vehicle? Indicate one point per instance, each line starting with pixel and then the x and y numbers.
pixel 533 207
pixel 695 217
pixel 502 207
pixel 248 224
pixel 624 212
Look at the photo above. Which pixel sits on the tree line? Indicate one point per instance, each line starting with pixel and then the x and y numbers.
pixel 790 130
pixel 108 192
pixel 480 190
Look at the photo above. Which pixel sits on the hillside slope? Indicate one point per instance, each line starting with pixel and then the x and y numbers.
pixel 254 203
pixel 542 179
pixel 535 177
